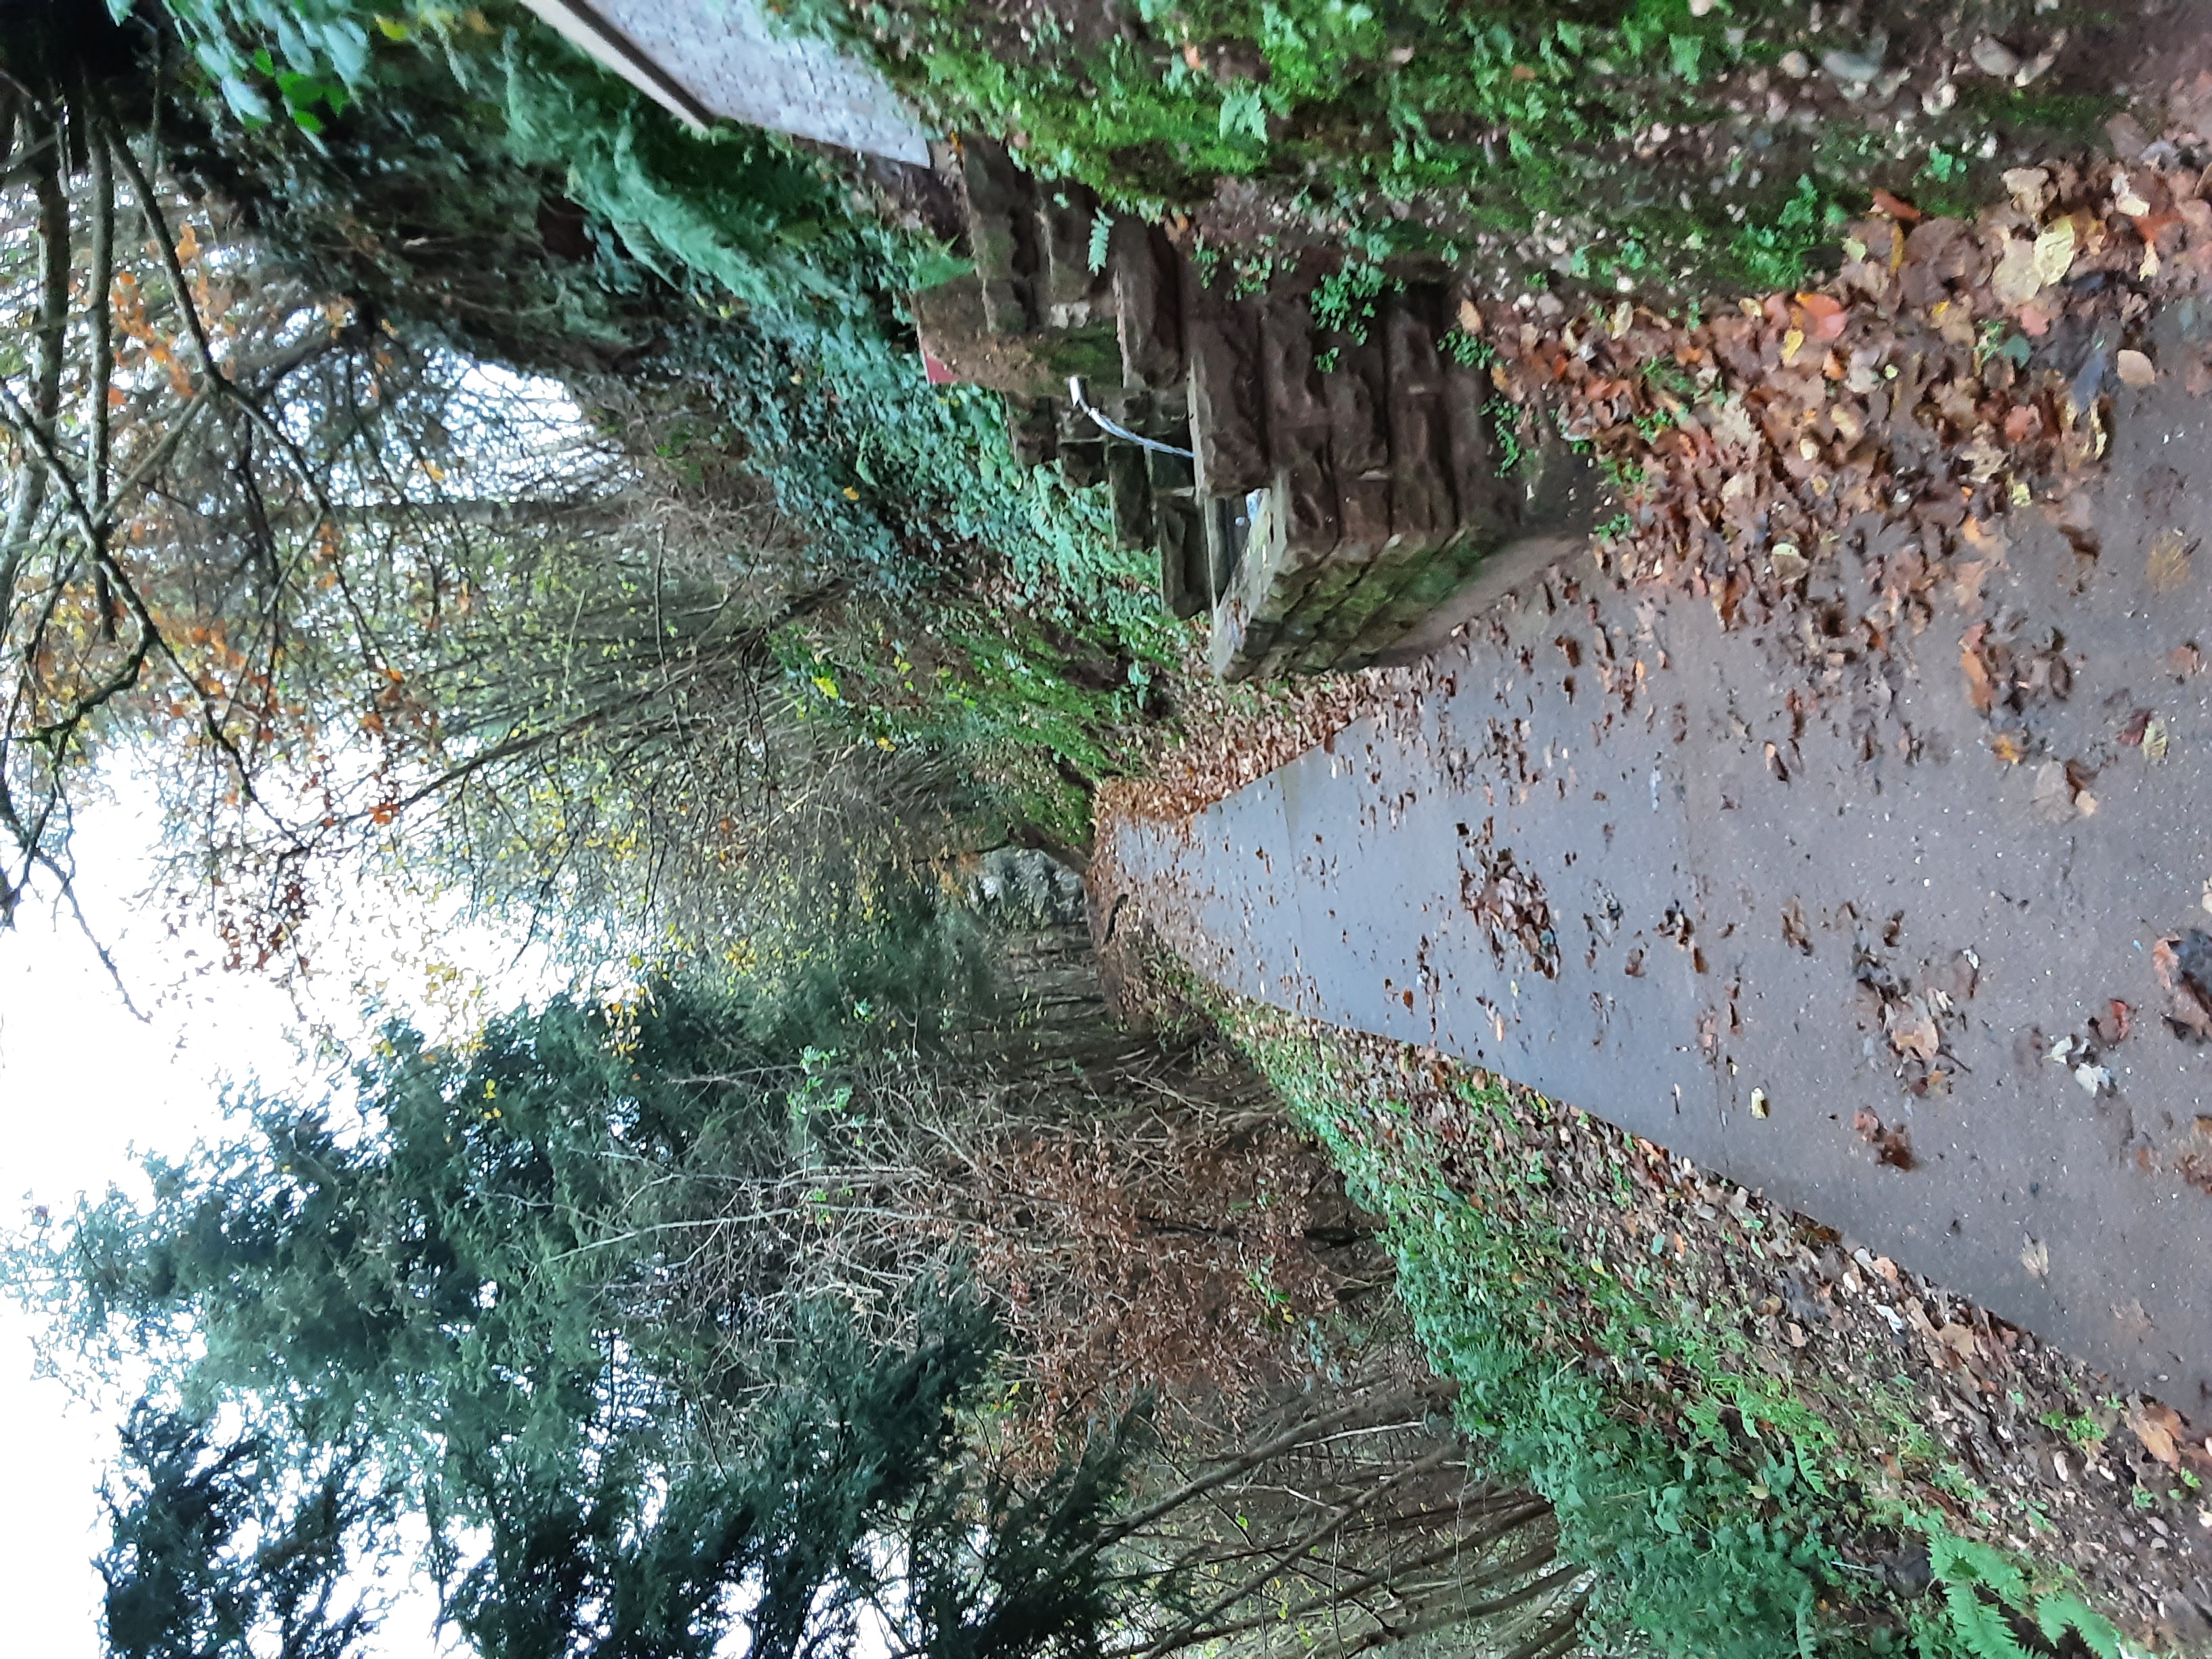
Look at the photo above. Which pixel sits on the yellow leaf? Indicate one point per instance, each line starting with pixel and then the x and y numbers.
pixel 391 28
pixel 2169 560
pixel 1792 343
pixel 2153 742
pixel 2054 252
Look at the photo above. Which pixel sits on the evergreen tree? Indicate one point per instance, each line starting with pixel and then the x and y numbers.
pixel 220 1551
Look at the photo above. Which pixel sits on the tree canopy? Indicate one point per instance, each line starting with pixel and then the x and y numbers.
pixel 467 1294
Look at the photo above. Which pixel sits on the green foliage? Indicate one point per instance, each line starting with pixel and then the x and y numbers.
pixel 1469 350
pixel 1711 1502
pixel 1685 1550
pixel 461 1311
pixel 1772 255
pixel 214 1546
pixel 741 288
pixel 1495 118
pixel 1344 300
pixel 1991 1611
pixel 325 45
pixel 457 1305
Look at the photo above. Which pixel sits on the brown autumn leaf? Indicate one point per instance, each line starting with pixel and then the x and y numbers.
pixel 2052 802
pixel 1824 314
pixel 1979 691
pixel 2132 733
pixel 2164 962
pixel 2135 369
pixel 2159 1428
pixel 2007 747
pixel 2169 560
pixel 2183 660
pixel 1891 1146
pixel 2188 1011
pixel 1910 1029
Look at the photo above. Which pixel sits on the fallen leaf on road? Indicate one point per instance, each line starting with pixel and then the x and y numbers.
pixel 2169 560
pixel 2158 1427
pixel 2182 961
pixel 1910 1030
pixel 2164 962
pixel 2053 799
pixel 2154 741
pixel 2110 1027
pixel 2132 733
pixel 2135 369
pixel 1891 1146
pixel 2036 1258
pixel 2183 660
pixel 1980 692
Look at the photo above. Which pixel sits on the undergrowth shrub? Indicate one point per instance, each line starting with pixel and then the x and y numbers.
pixel 757 300
pixel 1711 1502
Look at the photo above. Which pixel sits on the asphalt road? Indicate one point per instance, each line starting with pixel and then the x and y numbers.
pixel 1806 920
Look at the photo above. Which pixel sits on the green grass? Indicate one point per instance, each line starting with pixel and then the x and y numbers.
pixel 1713 1503
pixel 1413 129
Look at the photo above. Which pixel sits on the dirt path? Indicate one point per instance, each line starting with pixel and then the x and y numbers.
pixel 1857 959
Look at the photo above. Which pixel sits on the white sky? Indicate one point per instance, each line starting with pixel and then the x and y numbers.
pixel 82 1083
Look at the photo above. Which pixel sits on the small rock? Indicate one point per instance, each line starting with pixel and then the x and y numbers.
pixel 1795 64
pixel 1854 68
pixel 1995 58
pixel 2135 369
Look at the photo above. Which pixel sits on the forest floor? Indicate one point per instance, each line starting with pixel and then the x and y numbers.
pixel 1904 623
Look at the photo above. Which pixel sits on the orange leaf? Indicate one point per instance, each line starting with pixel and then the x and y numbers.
pixel 1903 212
pixel 2158 1427
pixel 1980 692
pixel 2164 962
